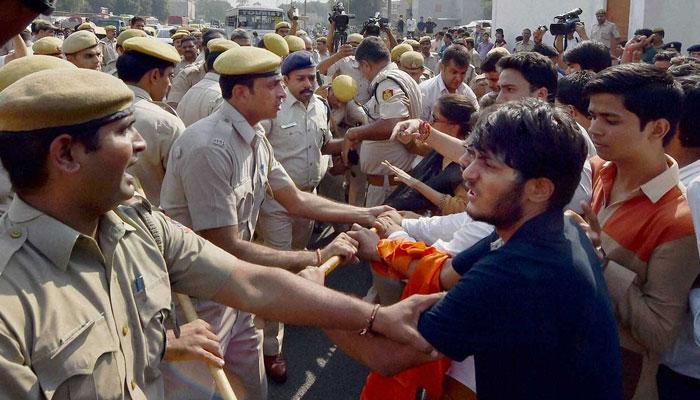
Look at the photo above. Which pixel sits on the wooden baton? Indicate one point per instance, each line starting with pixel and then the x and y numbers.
pixel 222 383
pixel 333 262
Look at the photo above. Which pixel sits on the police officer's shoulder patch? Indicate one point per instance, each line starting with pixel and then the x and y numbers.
pixel 387 94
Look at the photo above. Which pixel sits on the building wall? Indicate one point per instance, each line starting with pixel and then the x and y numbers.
pixel 678 20
pixel 514 15
pixel 448 12
pixel 182 8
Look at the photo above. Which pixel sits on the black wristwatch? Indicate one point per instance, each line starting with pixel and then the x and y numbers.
pixel 45 7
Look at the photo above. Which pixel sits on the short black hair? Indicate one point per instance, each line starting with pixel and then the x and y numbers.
pixel 490 62
pixel 24 154
pixel 538 70
pixel 523 133
pixel 227 82
pixel 689 124
pixel 644 32
pixel 646 91
pixel 664 56
pixel 571 90
pixel 212 34
pixel 373 50
pixel 457 54
pixel 132 66
pixel 592 56
pixel 210 58
pixel 239 35
pixel 136 19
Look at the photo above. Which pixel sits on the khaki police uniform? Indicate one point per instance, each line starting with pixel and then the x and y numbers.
pixel 109 52
pixel 389 88
pixel 6 193
pixel 182 65
pixel 349 66
pixel 159 129
pixel 218 172
pixel 111 296
pixel 201 100
pixel 184 80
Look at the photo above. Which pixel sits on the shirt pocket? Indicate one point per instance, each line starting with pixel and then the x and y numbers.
pixel 153 304
pixel 243 192
pixel 68 371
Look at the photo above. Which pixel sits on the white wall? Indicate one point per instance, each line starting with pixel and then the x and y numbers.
pixel 460 12
pixel 679 18
pixel 515 15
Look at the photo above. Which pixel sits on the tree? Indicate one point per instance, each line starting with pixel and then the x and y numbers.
pixel 126 7
pixel 159 9
pixel 212 9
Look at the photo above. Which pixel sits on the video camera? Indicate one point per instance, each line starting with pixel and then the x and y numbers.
pixel 373 25
pixel 339 17
pixel 566 23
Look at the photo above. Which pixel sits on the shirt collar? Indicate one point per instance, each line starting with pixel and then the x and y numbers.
pixel 140 93
pixel 654 189
pixel 212 76
pixel 382 74
pixel 238 122
pixel 53 238
pixel 658 186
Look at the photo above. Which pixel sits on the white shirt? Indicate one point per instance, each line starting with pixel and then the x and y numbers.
pixel 410 25
pixel 684 355
pixel 201 100
pixel 688 173
pixel 349 66
pixel 432 89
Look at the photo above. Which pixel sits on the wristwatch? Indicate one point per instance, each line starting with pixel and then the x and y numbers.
pixel 45 7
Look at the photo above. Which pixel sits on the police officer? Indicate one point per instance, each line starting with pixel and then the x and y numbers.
pixel 111 67
pixel 81 49
pixel 86 282
pixel 192 74
pixel 275 43
pixel 205 96
pixel 295 43
pixel 9 74
pixel 218 173
pixel 147 67
pixel 108 45
pixel 412 63
pixel 390 86
pixel 300 136
pixel 344 63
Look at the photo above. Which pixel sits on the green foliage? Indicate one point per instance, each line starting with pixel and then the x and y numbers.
pixel 212 9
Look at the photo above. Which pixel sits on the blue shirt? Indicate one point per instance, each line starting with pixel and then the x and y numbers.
pixel 535 314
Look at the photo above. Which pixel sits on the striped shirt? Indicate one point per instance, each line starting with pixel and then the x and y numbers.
pixel 650 242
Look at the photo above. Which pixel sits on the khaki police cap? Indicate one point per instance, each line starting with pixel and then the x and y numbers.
pixel 110 28
pixel 412 60
pixel 276 44
pixel 179 35
pixel 246 60
pixel 321 39
pixel 61 97
pixel 182 29
pixel 301 33
pixel 424 39
pixel 100 30
pixel 413 43
pixel 283 24
pixel 21 67
pixel 128 34
pixel 344 88
pixel 397 51
pixel 221 45
pixel 355 38
pixel 79 41
pixel 295 43
pixel 153 48
pixel 85 25
pixel 48 46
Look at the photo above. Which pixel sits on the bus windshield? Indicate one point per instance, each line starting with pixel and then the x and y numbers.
pixel 258 19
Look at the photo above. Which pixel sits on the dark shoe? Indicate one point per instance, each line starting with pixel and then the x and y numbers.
pixel 276 368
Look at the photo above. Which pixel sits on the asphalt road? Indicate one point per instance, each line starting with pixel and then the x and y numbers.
pixel 317 369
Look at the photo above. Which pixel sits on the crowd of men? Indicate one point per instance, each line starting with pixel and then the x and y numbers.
pixel 533 209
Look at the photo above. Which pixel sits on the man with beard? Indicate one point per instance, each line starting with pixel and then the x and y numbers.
pixel 300 136
pixel 188 45
pixel 531 296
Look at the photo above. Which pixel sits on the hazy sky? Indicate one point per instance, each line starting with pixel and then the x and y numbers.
pixel 275 3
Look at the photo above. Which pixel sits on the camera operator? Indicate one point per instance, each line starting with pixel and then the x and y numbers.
pixel 561 41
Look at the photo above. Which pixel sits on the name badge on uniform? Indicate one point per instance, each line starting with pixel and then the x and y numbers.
pixel 289 125
pixel 387 94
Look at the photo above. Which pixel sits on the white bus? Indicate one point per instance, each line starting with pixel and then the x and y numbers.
pixel 253 18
